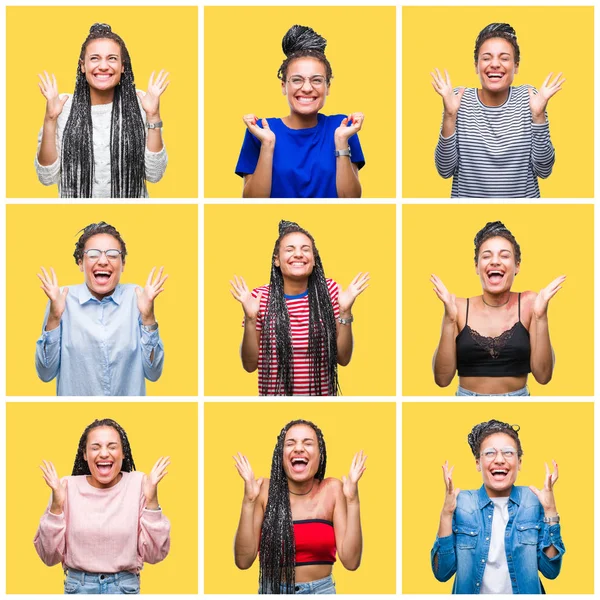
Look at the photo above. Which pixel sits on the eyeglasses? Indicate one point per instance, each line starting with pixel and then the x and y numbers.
pixel 490 454
pixel 316 81
pixel 94 254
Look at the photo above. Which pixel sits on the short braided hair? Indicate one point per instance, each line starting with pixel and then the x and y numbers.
pixel 96 229
pixel 480 432
pixel 498 30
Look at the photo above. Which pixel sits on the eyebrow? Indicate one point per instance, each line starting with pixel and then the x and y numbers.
pixel 309 439
pixel 108 55
pixel 503 250
pixel 303 246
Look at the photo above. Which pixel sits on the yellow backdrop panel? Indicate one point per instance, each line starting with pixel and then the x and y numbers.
pixel 239 239
pixel 449 44
pixel 252 429
pixel 154 430
pixel 555 240
pixel 446 427
pixel 155 235
pixel 240 77
pixel 49 38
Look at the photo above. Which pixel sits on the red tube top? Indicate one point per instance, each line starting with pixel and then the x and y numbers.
pixel 315 542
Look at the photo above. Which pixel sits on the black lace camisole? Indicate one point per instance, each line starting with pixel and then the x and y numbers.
pixel 507 355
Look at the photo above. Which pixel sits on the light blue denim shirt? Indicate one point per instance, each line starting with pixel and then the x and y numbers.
pixel 465 552
pixel 99 348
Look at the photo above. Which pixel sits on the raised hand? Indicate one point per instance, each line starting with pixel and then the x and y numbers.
pixel 239 290
pixel 540 306
pixel 59 489
pixel 145 297
pixel 449 300
pixel 344 132
pixel 444 88
pixel 264 135
pixel 54 102
pixel 350 482
pixel 251 486
pixel 357 286
pixel 539 101
pixel 546 494
pixel 156 87
pixel 451 492
pixel 151 481
pixel 58 299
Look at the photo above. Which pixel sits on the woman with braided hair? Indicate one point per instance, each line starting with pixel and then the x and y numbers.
pixel 104 521
pixel 297 519
pixel 298 328
pixel 495 141
pixel 496 339
pixel 306 154
pixel 497 538
pixel 104 141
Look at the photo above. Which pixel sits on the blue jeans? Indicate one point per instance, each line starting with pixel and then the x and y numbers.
pixel 320 586
pixel 80 582
pixel 462 392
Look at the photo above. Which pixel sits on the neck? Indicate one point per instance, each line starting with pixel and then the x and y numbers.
pixel 101 96
pixel 297 121
pixel 293 288
pixel 493 98
pixel 498 493
pixel 95 483
pixel 495 300
pixel 301 488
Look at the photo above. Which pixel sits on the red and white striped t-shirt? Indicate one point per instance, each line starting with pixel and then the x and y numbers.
pixel 299 317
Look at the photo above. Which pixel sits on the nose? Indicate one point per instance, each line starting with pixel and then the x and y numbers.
pixel 307 85
pixel 499 458
pixel 495 62
pixel 103 452
pixel 102 259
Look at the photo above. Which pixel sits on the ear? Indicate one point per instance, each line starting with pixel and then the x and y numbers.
pixel 84 456
pixel 276 262
pixel 476 69
pixel 328 88
pixel 81 66
pixel 477 268
pixel 80 263
pixel 517 268
pixel 516 68
pixel 283 88
pixel 519 468
pixel 478 465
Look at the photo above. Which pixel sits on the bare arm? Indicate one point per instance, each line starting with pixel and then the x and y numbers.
pixel 346 172
pixel 48 154
pixel 444 358
pixel 346 299
pixel 251 305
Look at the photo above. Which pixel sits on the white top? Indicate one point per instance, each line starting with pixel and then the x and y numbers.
pixel 496 578
pixel 155 162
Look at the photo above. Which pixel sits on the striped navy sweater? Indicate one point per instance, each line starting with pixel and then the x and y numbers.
pixel 496 151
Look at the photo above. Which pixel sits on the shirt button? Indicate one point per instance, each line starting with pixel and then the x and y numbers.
pixel 551 534
pixel 101 577
pixel 487 539
pixel 489 516
pixel 483 560
pixel 297 588
pixel 478 585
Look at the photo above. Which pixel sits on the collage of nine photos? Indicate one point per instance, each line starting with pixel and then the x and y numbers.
pixel 430 193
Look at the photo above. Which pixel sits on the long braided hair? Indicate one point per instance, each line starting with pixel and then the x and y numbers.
pixel 277 335
pixel 277 544
pixel 127 133
pixel 80 466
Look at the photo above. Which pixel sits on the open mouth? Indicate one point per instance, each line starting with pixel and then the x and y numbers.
pixel 495 276
pixel 495 76
pixel 299 464
pixel 306 99
pixel 104 467
pixel 102 276
pixel 102 76
pixel 499 474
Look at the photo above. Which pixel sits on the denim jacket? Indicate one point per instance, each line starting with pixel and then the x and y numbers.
pixel 465 552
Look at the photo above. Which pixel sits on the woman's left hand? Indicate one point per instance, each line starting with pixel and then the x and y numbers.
pixel 150 483
pixel 145 297
pixel 347 297
pixel 350 482
pixel 344 132
pixel 539 101
pixel 546 495
pixel 540 306
pixel 151 99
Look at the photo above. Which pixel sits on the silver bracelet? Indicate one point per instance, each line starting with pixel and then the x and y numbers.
pixel 157 125
pixel 345 152
pixel 150 328
pixel 345 321
pixel 555 519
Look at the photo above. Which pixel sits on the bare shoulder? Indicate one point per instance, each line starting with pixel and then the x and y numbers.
pixel 528 298
pixel 331 485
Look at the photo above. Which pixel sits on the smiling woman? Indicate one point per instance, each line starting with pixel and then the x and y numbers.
pixel 306 154
pixel 495 340
pixel 104 141
pixel 104 487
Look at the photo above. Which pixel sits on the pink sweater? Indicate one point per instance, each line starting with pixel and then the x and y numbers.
pixel 103 530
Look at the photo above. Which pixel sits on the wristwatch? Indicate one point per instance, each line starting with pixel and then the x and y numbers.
pixel 345 152
pixel 555 519
pixel 345 321
pixel 156 125
pixel 150 328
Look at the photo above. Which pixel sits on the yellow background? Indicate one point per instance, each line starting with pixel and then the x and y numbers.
pixel 49 38
pixel 555 240
pixel 551 38
pixel 242 55
pixel 553 431
pixel 154 430
pixel 239 239
pixel 155 235
pixel 252 429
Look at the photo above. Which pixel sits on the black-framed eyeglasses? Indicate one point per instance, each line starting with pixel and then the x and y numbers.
pixel 316 81
pixel 95 254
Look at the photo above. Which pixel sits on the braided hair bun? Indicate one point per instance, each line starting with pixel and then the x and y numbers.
pixel 496 229
pixel 498 30
pixel 301 42
pixel 100 28
pixel 483 430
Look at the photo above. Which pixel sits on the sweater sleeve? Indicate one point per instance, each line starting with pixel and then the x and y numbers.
pixel 542 150
pixel 48 174
pixel 49 539
pixel 154 534
pixel 446 155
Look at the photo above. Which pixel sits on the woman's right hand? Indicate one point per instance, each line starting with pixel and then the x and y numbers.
pixel 444 88
pixel 58 299
pixel 264 135
pixel 54 102
pixel 446 297
pixel 451 491
pixel 59 489
pixel 251 486
pixel 239 290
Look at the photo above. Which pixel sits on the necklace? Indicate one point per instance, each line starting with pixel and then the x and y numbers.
pixel 495 305
pixel 305 493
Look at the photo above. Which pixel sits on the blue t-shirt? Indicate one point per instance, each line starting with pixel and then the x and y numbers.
pixel 304 159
